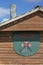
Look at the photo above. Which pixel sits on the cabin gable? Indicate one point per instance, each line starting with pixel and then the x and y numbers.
pixel 21 39
pixel 32 22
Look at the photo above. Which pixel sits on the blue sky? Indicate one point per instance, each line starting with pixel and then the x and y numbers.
pixel 23 6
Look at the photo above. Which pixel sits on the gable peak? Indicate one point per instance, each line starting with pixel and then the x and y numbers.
pixel 38 7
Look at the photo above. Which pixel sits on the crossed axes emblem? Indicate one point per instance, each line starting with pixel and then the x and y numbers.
pixel 26 44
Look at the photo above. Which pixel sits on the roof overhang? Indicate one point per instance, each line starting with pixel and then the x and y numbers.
pixel 21 16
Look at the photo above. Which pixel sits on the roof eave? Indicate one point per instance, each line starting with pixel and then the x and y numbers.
pixel 26 14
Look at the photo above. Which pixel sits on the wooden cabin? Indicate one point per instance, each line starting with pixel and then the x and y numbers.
pixel 21 39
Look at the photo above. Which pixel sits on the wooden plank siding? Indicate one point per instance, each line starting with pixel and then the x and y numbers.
pixel 8 55
pixel 29 23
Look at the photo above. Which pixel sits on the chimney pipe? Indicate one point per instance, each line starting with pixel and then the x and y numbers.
pixel 12 11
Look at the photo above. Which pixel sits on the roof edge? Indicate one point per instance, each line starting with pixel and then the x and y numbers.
pixel 21 16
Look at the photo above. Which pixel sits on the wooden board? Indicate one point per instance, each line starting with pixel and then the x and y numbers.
pixel 8 56
pixel 29 23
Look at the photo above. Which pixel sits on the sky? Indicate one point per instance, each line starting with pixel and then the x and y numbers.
pixel 22 6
